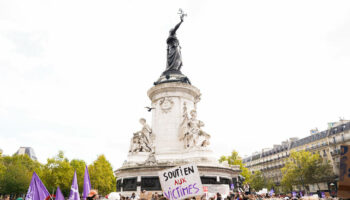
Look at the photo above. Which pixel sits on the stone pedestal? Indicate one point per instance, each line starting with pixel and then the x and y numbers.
pixel 172 103
pixel 169 99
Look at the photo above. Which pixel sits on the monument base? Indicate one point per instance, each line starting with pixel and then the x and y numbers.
pixel 172 76
pixel 175 138
pixel 203 156
pixel 145 177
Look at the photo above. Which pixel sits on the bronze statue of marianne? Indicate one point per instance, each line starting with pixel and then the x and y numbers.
pixel 174 60
pixel 172 72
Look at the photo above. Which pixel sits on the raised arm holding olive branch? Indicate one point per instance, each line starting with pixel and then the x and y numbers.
pixel 174 60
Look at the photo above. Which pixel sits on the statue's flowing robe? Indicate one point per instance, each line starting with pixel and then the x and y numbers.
pixel 146 132
pixel 174 60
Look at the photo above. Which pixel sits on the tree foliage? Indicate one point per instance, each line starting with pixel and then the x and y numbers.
pixel 58 172
pixel 270 184
pixel 304 167
pixel 287 181
pixel 235 159
pixel 79 167
pixel 16 172
pixel 257 181
pixel 101 175
pixel 2 171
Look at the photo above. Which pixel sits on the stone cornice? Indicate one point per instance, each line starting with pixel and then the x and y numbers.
pixel 173 87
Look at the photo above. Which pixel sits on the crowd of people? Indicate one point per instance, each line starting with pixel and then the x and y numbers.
pixel 143 196
pixel 232 196
pixel 147 195
pixel 217 196
pixel 243 196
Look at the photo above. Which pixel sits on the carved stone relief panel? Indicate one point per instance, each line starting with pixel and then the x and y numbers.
pixel 166 103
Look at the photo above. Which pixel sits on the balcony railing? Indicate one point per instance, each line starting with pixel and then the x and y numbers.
pixel 335 152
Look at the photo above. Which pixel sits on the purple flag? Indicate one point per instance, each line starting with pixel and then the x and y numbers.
pixel 36 190
pixel 59 195
pixel 271 192
pixel 87 183
pixel 74 190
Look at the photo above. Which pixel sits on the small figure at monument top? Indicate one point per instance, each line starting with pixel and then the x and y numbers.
pixel 174 60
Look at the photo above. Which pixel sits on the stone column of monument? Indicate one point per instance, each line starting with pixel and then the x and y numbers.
pixel 176 136
pixel 172 103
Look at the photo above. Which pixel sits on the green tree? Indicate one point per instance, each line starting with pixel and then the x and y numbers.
pixel 235 159
pixel 270 184
pixel 293 173
pixel 304 167
pixel 287 181
pixel 2 171
pixel 257 181
pixel 319 171
pixel 79 166
pixel 102 176
pixel 16 173
pixel 58 172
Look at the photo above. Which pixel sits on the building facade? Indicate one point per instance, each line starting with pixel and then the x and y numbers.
pixel 27 150
pixel 327 144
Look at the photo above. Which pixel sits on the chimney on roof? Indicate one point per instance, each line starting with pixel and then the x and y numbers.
pixel 331 124
pixel 314 131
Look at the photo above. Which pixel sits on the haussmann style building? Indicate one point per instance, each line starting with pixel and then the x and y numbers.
pixel 326 143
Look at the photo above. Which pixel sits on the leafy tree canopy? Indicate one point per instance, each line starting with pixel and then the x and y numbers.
pixel 257 181
pixel 79 166
pixel 304 167
pixel 102 176
pixel 16 172
pixel 235 159
pixel 58 172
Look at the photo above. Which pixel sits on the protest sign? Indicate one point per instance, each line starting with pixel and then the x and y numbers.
pixel 223 189
pixel 344 172
pixel 205 188
pixel 181 182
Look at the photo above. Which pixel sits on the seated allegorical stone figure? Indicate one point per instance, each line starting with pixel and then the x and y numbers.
pixel 135 143
pixel 191 132
pixel 142 140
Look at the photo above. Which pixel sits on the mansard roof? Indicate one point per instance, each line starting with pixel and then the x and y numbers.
pixel 321 135
pixel 300 142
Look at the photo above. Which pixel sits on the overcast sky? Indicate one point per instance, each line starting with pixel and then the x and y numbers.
pixel 74 74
